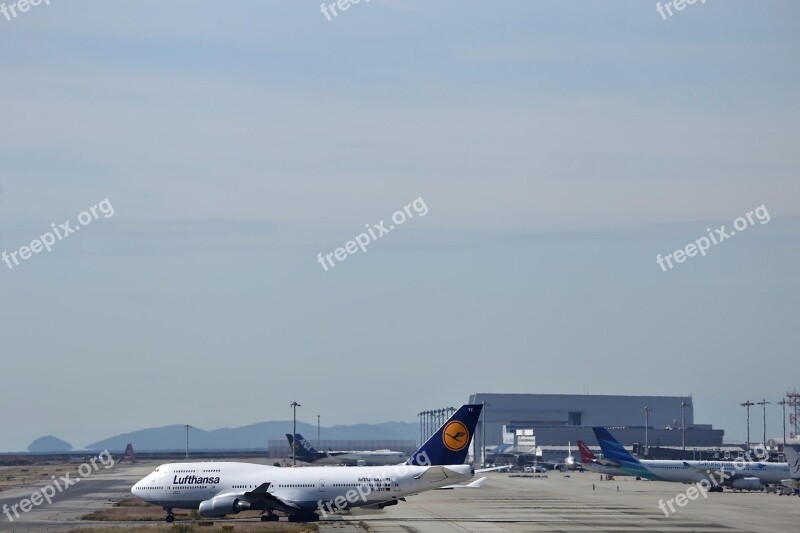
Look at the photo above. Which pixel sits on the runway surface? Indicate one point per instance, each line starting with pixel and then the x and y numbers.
pixel 503 504
pixel 97 491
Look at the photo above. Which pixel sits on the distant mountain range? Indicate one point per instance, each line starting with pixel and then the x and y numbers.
pixel 251 437
pixel 49 444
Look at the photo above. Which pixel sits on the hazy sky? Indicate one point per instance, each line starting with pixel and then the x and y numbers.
pixel 558 148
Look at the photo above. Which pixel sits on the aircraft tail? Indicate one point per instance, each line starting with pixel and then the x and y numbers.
pixel 450 444
pixel 130 455
pixel 614 451
pixel 792 453
pixel 302 448
pixel 587 457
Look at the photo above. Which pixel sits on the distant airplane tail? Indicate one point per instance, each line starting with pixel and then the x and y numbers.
pixel 130 455
pixel 587 457
pixel 449 445
pixel 302 448
pixel 616 452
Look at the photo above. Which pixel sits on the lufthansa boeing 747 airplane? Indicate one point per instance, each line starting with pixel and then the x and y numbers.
pixel 219 489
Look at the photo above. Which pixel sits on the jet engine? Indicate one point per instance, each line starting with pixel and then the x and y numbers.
pixel 746 483
pixel 222 505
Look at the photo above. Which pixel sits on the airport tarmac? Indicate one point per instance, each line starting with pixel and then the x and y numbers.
pixel 569 504
pixel 503 504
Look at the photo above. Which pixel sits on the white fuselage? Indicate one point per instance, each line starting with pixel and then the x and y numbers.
pixel 186 485
pixel 697 470
pixel 378 457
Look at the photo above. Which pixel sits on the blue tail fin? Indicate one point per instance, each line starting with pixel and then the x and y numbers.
pixel 449 445
pixel 304 444
pixel 614 451
pixel 302 448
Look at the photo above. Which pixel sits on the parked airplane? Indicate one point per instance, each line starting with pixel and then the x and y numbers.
pixel 569 461
pixel 563 465
pixel 219 489
pixel 740 475
pixel 601 466
pixel 305 452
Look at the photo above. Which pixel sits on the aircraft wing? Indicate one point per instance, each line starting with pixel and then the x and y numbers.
pixel 482 470
pixel 478 483
pixel 435 474
pixel 791 483
pixel 260 495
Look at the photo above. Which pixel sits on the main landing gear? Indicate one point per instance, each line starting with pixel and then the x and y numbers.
pixel 304 517
pixel 170 517
pixel 269 517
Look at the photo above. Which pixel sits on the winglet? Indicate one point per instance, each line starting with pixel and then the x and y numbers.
pixel 261 489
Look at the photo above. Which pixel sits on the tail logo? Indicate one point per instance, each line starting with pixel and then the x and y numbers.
pixel 455 436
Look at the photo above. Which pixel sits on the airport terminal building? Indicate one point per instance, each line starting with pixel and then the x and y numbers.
pixel 558 419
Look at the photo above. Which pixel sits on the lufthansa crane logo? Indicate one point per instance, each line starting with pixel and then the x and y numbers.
pixel 455 436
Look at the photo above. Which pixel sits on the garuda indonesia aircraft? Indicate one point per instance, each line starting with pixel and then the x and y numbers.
pixel 738 475
pixel 305 452
pixel 219 489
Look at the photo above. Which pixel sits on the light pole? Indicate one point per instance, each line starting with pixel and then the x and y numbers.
pixel 294 406
pixel 483 433
pixel 684 405
pixel 783 403
pixel 764 403
pixel 428 424
pixel 646 424
pixel 747 405
pixel 319 446
pixel 187 440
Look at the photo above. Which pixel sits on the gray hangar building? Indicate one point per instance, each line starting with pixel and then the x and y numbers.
pixel 558 419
